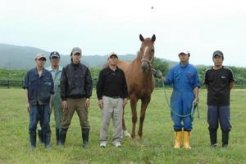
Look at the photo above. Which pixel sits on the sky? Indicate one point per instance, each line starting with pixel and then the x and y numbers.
pixel 103 26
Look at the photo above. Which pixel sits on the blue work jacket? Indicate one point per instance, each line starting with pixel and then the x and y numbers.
pixel 39 88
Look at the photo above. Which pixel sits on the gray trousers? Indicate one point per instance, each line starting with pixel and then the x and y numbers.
pixel 112 108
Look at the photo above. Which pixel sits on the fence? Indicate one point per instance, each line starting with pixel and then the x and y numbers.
pixel 11 83
pixel 158 83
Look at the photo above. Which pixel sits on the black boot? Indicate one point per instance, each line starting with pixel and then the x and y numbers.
pixel 63 134
pixel 213 137
pixel 32 140
pixel 47 140
pixel 40 136
pixel 57 136
pixel 225 138
pixel 85 136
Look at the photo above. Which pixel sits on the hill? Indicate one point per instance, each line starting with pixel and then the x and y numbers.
pixel 21 57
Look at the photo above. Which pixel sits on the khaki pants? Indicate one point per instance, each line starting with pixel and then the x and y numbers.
pixel 77 105
pixel 112 108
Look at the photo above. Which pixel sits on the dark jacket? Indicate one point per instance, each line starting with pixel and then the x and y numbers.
pixel 39 88
pixel 76 82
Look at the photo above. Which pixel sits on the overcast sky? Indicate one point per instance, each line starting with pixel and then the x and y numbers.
pixel 103 26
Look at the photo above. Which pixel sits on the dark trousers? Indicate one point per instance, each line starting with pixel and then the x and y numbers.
pixel 39 113
pixel 219 115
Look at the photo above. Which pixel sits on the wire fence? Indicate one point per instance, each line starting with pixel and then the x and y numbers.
pixel 158 83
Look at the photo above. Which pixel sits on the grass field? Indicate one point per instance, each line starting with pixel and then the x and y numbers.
pixel 156 146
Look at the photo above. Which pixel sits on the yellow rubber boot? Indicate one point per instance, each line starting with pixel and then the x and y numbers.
pixel 187 140
pixel 178 137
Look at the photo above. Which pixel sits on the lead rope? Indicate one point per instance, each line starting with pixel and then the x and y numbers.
pixel 193 109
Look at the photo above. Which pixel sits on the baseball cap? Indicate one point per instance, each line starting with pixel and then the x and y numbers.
pixel 76 50
pixel 184 52
pixel 218 53
pixel 39 56
pixel 112 54
pixel 54 54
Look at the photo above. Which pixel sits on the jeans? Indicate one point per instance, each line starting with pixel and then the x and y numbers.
pixel 39 113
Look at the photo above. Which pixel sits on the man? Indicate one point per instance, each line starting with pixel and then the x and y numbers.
pixel 76 90
pixel 40 86
pixel 112 97
pixel 219 81
pixel 185 82
pixel 56 71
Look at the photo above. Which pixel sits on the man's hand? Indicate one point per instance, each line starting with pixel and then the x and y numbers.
pixel 100 103
pixel 28 107
pixel 195 101
pixel 64 104
pixel 87 103
pixel 124 102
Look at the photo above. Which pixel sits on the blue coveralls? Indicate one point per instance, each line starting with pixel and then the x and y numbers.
pixel 183 78
pixel 39 89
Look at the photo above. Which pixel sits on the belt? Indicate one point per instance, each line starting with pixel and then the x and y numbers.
pixel 115 97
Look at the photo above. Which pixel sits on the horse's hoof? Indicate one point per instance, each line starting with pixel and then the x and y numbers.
pixel 126 133
pixel 134 140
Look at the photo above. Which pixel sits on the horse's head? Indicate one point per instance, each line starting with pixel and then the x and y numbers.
pixel 146 53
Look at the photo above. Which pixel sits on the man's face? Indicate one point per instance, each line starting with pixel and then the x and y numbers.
pixel 218 60
pixel 184 58
pixel 55 61
pixel 40 62
pixel 113 60
pixel 76 58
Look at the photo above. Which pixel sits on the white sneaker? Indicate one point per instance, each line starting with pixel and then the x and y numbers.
pixel 117 144
pixel 103 144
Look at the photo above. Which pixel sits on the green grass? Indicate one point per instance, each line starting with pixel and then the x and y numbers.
pixel 156 146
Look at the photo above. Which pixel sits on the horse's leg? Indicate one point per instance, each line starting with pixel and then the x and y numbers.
pixel 144 106
pixel 125 132
pixel 134 115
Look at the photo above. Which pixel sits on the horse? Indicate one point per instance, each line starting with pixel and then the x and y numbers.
pixel 140 82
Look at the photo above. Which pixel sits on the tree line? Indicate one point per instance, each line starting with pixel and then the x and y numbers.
pixel 159 64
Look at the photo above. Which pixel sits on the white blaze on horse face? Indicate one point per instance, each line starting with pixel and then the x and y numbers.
pixel 145 50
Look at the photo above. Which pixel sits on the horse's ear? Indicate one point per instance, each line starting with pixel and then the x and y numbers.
pixel 153 38
pixel 141 37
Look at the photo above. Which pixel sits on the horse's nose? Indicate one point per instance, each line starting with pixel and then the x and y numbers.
pixel 145 66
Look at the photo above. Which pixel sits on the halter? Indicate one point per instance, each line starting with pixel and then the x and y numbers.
pixel 149 62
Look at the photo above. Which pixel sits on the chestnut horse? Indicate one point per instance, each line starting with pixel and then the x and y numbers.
pixel 140 81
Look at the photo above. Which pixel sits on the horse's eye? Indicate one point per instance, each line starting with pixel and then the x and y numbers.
pixel 152 51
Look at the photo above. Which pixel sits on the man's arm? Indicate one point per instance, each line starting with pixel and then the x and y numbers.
pixel 27 102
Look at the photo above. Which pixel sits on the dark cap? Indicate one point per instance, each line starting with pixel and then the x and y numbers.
pixel 218 53
pixel 112 54
pixel 76 50
pixel 54 54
